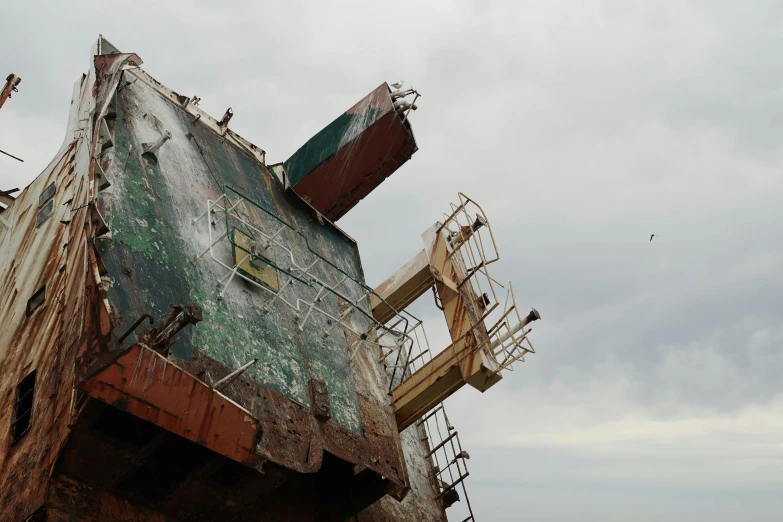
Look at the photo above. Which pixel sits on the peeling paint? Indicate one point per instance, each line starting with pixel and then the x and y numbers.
pixel 149 255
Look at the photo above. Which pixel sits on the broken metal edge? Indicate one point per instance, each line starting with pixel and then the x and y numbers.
pixel 128 382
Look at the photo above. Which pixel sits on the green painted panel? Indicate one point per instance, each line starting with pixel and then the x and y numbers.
pixel 150 209
pixel 327 142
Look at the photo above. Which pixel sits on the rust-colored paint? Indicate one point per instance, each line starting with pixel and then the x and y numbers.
pixel 335 186
pixel 71 320
pixel 70 342
pixel 10 85
pixel 461 362
pixel 148 385
pixel 69 500
pixel 44 341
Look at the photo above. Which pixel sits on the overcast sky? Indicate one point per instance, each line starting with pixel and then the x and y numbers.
pixel 582 127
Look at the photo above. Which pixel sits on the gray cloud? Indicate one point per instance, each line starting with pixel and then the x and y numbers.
pixel 581 127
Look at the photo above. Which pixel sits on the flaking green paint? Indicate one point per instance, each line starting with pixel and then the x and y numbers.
pixel 150 209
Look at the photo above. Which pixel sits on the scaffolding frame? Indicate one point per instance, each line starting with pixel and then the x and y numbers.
pixel 475 241
pixel 232 204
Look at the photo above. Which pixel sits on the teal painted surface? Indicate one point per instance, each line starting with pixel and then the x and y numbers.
pixel 150 208
pixel 327 142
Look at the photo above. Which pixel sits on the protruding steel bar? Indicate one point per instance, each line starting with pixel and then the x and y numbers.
pixel 136 325
pixel 228 379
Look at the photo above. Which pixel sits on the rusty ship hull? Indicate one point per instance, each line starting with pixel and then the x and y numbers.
pixel 141 411
pixel 186 334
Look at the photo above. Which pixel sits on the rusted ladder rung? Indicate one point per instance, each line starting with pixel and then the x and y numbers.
pixel 430 414
pixel 439 446
pixel 422 354
pixel 451 486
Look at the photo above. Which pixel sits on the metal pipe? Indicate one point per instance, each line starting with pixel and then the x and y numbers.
pixel 225 381
pixel 10 86
pixel 430 414
pixel 532 316
pixel 226 117
pixel 136 325
pixel 11 156
pixel 166 136
pixel 439 446
pixel 411 106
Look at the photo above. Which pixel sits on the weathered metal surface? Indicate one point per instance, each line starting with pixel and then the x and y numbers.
pixel 319 400
pixel 351 156
pixel 154 388
pixel 401 289
pixel 277 430
pixel 121 243
pixel 462 362
pixel 150 209
pixel 119 453
pixel 55 254
pixel 149 386
pixel 69 500
pixel 418 502
pixel 10 86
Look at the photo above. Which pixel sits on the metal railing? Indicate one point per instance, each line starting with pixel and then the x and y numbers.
pixel 306 278
pixel 448 460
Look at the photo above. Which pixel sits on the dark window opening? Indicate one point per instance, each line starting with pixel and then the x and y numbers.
pixel 23 408
pixel 47 194
pixel 44 213
pixel 36 301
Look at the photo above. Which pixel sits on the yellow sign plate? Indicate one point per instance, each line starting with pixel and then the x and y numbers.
pixel 251 265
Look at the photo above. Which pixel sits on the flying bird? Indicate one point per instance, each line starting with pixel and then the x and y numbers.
pixel 652 236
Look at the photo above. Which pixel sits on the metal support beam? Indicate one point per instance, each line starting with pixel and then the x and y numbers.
pixel 405 286
pixel 228 379
pixel 467 360
pixel 162 336
pixel 11 156
pixel 10 86
pixel 454 264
